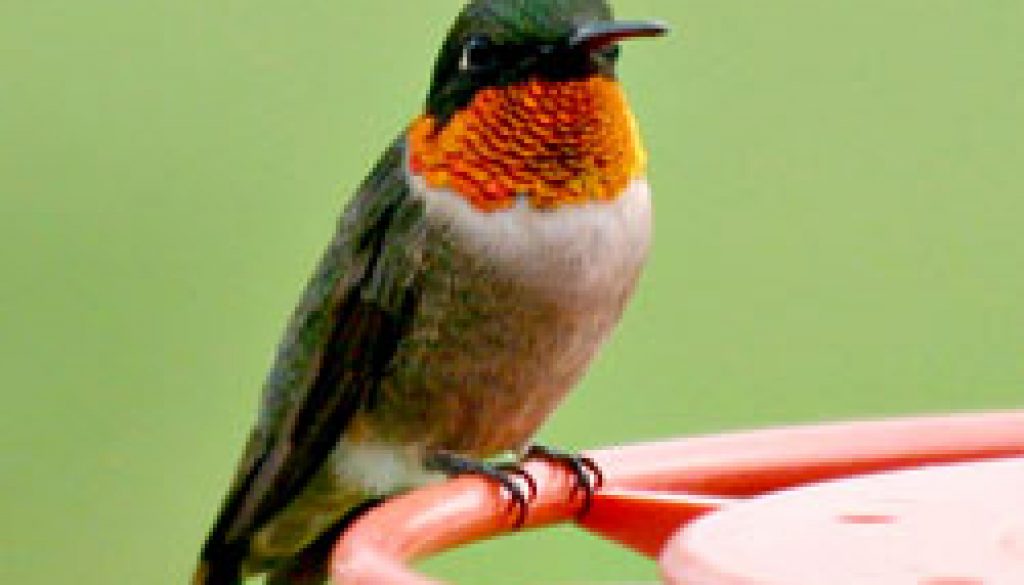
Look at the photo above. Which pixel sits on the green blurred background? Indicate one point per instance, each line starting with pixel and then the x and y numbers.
pixel 840 233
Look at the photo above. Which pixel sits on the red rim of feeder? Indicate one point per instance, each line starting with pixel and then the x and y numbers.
pixel 651 490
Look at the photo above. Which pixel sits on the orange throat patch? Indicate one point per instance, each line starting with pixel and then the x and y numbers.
pixel 549 143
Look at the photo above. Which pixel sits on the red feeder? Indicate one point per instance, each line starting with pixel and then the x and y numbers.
pixel 924 501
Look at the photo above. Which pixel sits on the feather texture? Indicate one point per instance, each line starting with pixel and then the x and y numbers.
pixel 352 312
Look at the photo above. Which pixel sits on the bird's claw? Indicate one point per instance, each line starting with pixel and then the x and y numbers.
pixel 502 474
pixel 588 475
pixel 515 470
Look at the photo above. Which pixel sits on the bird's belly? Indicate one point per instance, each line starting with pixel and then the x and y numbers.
pixel 514 305
pixel 479 377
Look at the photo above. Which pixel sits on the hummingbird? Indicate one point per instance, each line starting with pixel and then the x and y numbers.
pixel 468 285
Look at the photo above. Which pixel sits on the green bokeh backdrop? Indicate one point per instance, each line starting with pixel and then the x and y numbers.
pixel 840 233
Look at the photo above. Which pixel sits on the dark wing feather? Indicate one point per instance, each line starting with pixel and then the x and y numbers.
pixel 329 363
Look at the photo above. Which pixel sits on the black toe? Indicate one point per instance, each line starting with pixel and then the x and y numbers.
pixel 589 477
pixel 503 474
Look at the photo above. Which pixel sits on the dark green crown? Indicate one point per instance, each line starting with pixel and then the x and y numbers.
pixel 499 42
pixel 527 20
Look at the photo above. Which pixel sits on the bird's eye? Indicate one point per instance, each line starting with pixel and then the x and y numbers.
pixel 477 55
pixel 612 52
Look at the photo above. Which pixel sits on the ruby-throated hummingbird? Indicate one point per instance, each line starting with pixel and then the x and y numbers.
pixel 467 287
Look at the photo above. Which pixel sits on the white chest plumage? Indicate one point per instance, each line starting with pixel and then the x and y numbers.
pixel 577 250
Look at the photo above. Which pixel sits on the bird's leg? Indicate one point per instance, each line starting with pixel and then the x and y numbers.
pixel 585 470
pixel 454 465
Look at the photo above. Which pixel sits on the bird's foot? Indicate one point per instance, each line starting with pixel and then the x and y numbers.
pixel 503 475
pixel 585 470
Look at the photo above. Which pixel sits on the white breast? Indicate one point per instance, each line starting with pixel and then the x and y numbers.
pixel 574 251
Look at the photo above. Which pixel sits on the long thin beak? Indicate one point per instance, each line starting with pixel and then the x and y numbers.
pixel 595 35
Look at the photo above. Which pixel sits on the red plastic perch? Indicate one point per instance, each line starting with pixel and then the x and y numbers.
pixel 652 490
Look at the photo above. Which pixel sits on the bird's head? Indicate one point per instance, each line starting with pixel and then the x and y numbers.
pixel 524 105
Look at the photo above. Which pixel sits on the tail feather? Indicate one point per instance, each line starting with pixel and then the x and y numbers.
pixel 310 565
pixel 220 566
